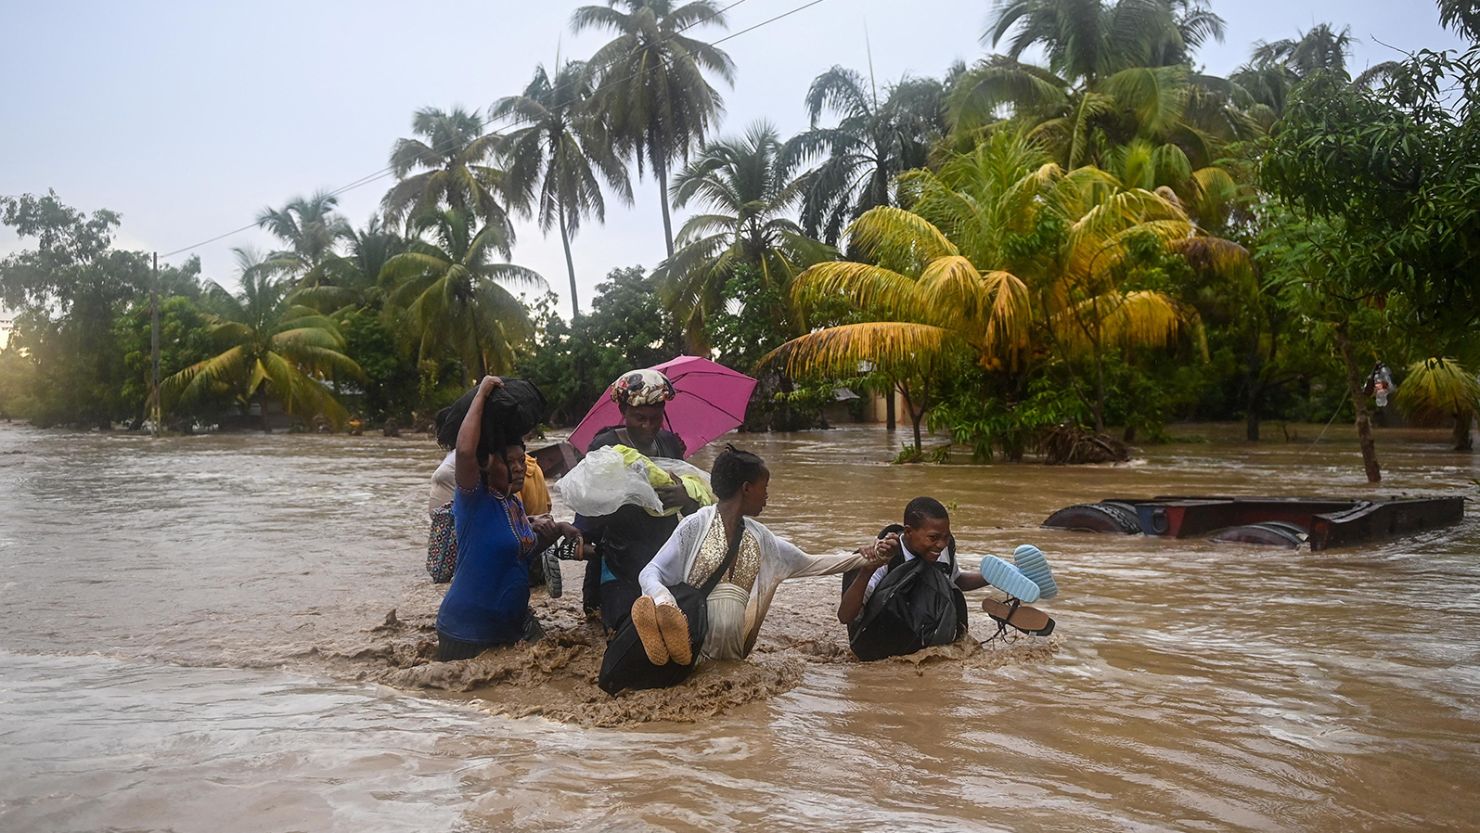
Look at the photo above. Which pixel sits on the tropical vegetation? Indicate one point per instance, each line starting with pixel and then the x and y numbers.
pixel 1103 237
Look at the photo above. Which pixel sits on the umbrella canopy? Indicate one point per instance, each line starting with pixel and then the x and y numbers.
pixel 709 400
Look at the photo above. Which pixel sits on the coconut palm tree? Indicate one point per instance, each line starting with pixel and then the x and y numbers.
pixel 652 85
pixel 312 231
pixel 1002 256
pixel 1086 41
pixel 271 348
pixel 448 289
pixel 1439 389
pixel 447 167
pixel 741 186
pixel 557 155
pixel 871 143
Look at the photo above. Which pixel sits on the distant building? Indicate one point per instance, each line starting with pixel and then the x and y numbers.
pixel 7 326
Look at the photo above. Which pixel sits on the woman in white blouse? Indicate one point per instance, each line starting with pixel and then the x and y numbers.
pixel 738 604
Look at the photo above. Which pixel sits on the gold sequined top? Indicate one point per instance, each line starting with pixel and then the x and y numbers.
pixel 712 553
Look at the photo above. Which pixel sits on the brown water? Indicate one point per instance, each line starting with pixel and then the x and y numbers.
pixel 192 639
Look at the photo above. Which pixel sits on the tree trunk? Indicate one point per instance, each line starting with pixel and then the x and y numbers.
pixel 1252 405
pixel 1462 441
pixel 889 415
pixel 1099 393
pixel 661 170
pixel 570 265
pixel 1364 412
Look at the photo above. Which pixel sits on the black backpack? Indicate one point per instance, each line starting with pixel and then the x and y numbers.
pixel 915 606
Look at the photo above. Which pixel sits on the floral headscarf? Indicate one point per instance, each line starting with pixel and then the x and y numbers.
pixel 642 387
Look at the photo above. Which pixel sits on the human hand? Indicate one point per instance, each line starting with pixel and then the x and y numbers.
pixel 544 526
pixel 489 385
pixel 882 550
pixel 672 496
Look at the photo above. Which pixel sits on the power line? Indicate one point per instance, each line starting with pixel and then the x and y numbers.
pixel 390 169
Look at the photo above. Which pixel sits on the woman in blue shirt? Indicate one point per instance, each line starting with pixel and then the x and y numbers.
pixel 488 601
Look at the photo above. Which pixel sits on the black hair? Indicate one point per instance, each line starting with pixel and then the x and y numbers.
pixel 924 507
pixel 734 468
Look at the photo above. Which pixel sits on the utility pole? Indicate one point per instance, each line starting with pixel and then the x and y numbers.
pixel 155 412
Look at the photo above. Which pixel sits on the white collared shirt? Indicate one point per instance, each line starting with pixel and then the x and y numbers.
pixel 878 575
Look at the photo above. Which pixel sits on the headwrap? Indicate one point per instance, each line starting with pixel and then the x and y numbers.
pixel 642 387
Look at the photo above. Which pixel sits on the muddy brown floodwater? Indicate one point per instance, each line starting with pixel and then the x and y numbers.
pixel 196 636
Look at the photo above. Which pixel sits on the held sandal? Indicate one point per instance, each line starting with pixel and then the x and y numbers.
pixel 645 620
pixel 1015 614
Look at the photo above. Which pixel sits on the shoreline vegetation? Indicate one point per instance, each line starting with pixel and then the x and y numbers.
pixel 1038 261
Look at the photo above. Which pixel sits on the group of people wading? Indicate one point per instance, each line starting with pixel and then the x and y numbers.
pixel 673 588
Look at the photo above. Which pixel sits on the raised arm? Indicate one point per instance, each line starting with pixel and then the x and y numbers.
pixel 800 564
pixel 466 462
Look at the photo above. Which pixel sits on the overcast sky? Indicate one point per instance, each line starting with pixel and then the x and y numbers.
pixel 190 117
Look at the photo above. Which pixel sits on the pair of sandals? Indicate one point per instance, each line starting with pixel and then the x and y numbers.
pixel 1025 580
pixel 664 631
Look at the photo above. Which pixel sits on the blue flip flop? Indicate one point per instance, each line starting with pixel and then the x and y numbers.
pixel 1031 562
pixel 1009 579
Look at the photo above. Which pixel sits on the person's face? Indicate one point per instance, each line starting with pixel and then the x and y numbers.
pixel 754 494
pixel 929 539
pixel 642 422
pixel 514 461
pixel 505 472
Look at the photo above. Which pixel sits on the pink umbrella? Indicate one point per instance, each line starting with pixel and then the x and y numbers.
pixel 709 400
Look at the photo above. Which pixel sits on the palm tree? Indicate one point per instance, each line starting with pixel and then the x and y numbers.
pixel 1117 72
pixel 1438 389
pixel 1002 255
pixel 449 291
pixel 271 347
pixel 1090 40
pixel 872 143
pixel 452 170
pixel 559 152
pixel 1275 67
pixel 652 83
pixel 353 278
pixel 312 231
pixel 742 186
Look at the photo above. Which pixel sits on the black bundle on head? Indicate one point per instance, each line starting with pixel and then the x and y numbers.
pixel 921 508
pixel 734 468
pixel 510 412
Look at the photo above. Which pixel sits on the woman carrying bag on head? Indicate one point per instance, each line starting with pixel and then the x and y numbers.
pixel 720 547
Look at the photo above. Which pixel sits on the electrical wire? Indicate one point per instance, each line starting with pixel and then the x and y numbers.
pixel 390 169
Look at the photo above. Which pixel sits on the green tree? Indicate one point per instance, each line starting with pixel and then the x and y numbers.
pixel 449 290
pixel 742 187
pixel 312 231
pixel 557 155
pixel 268 347
pixel 68 289
pixel 1002 257
pixel 652 86
pixel 1440 389
pixel 871 144
pixel 448 167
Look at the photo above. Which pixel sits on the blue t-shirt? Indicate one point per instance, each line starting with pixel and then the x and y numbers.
pixel 489 596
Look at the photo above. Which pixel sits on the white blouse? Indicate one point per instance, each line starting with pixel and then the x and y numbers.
pixel 779 560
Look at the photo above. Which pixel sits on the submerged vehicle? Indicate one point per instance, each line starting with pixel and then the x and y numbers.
pixel 1319 522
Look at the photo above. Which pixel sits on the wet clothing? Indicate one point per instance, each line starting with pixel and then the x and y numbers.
pixel 759 569
pixel 535 493
pixel 879 574
pixel 489 596
pixel 624 541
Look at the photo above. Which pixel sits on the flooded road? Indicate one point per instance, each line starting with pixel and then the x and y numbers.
pixel 181 616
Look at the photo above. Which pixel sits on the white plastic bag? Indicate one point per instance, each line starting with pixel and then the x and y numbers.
pixel 603 482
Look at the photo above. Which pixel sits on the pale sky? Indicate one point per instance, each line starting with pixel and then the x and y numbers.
pixel 190 117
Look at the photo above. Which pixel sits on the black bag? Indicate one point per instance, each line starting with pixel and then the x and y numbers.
pixel 626 665
pixel 915 606
pixel 510 412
